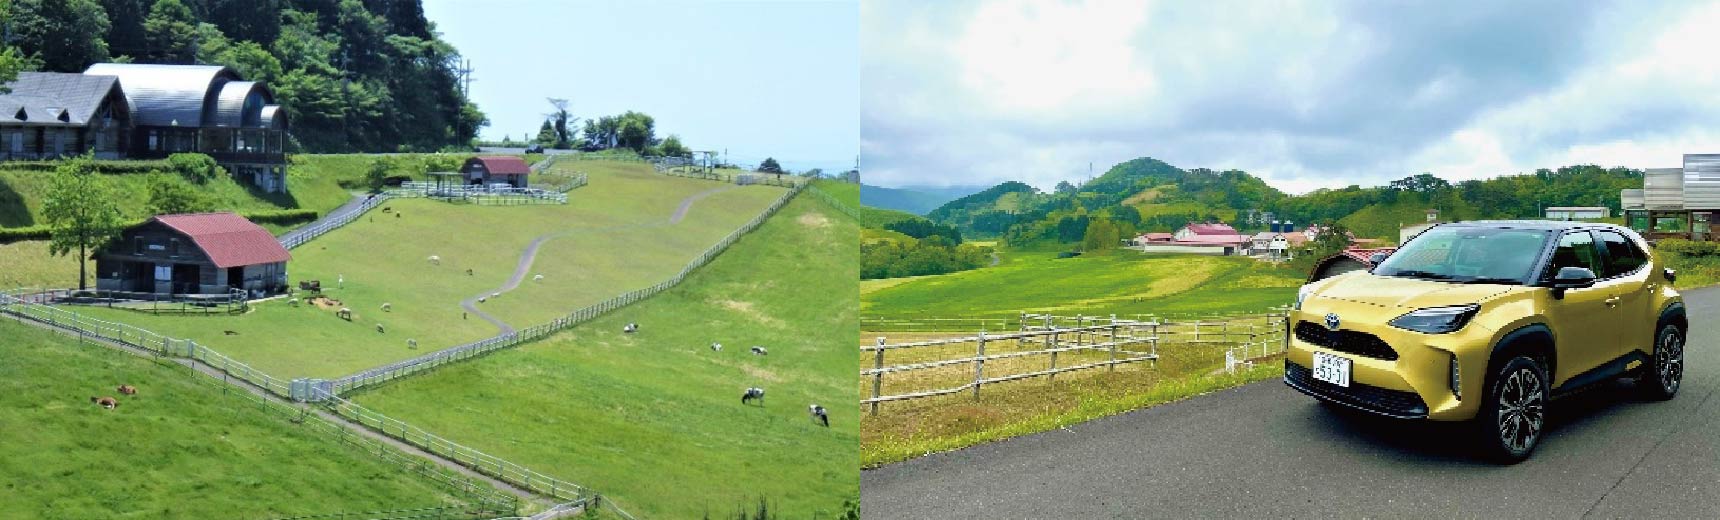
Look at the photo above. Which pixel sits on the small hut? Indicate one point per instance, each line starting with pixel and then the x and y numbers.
pixel 492 171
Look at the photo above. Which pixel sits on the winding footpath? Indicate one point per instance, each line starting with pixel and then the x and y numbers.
pixel 529 255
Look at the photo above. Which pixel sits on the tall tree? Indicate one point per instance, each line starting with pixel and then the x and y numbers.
pixel 125 36
pixel 256 21
pixel 80 211
pixel 672 147
pixel 170 33
pixel 770 166
pixel 66 35
pixel 562 122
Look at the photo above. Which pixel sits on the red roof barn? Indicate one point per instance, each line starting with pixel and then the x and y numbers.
pixel 198 253
pixel 509 170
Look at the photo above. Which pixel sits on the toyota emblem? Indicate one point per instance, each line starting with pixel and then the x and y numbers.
pixel 1332 321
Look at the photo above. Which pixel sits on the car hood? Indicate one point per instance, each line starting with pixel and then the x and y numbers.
pixel 1407 293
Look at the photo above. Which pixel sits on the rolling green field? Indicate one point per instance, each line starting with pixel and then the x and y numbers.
pixel 612 237
pixel 654 419
pixel 180 448
pixel 1123 282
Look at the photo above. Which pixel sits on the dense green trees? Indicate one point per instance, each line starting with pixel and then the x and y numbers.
pixel 934 255
pixel 352 75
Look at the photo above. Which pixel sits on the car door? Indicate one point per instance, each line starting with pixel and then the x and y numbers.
pixel 1584 321
pixel 1627 278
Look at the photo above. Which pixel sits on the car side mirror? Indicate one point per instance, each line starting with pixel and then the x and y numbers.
pixel 1572 278
pixel 1376 258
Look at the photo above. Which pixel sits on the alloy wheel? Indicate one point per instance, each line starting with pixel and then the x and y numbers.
pixel 1522 402
pixel 1669 359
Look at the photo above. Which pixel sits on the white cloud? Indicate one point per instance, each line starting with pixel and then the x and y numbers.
pixel 1305 95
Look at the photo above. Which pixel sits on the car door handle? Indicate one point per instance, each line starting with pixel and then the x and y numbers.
pixel 1613 301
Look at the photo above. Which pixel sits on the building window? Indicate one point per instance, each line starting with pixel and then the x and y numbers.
pixel 173 247
pixel 154 140
pixel 137 245
pixel 17 141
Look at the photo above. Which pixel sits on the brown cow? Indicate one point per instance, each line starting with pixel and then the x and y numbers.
pixel 127 390
pixel 105 402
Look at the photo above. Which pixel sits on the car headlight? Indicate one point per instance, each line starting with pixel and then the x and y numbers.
pixel 1437 320
pixel 1302 294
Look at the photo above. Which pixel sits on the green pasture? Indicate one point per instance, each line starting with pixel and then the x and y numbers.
pixel 181 448
pixel 1121 282
pixel 654 419
pixel 612 237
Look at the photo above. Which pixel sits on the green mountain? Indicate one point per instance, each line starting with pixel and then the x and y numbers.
pixel 1146 194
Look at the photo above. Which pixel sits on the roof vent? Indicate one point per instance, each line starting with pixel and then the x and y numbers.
pixel 21 115
pixel 65 116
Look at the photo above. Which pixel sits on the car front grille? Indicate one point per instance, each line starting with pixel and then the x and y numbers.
pixel 1394 403
pixel 1346 341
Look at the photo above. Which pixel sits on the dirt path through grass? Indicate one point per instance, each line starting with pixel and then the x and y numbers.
pixel 529 255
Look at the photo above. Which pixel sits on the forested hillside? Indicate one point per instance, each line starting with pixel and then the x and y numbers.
pixel 1146 194
pixel 353 75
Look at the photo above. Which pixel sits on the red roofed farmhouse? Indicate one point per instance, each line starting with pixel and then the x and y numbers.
pixel 486 171
pixel 198 253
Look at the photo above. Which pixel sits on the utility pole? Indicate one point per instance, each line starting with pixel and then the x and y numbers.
pixel 464 70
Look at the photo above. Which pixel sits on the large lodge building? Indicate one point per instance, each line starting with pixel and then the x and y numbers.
pixel 143 111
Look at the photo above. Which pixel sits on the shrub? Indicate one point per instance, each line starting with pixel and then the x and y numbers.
pixel 283 216
pixel 104 167
pixel 195 167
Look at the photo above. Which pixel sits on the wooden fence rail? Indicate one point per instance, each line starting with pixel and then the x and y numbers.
pixel 1117 341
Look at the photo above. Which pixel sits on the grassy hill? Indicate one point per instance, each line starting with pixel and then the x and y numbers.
pixel 653 419
pixel 1122 283
pixel 613 236
pixel 182 448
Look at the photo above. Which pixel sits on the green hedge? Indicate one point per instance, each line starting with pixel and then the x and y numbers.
pixel 1688 247
pixel 282 217
pixel 9 235
pixel 108 167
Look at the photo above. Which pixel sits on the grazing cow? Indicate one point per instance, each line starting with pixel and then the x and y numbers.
pixel 753 393
pixel 819 414
pixel 630 328
pixel 230 332
pixel 468 272
pixel 127 390
pixel 759 351
pixel 105 402
pixel 716 347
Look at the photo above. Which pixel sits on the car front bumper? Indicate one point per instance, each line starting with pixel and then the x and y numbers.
pixel 1415 385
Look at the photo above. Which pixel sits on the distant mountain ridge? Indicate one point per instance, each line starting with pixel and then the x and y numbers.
pixel 913 199
pixel 1147 194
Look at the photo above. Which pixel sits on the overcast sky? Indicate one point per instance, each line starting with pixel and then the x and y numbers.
pixel 1304 94
pixel 757 78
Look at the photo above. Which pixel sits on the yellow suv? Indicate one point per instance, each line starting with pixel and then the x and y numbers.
pixel 1486 321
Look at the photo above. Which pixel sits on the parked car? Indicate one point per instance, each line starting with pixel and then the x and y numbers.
pixel 1487 321
pixel 534 148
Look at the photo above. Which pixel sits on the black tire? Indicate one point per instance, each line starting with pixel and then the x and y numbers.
pixel 1664 372
pixel 1513 416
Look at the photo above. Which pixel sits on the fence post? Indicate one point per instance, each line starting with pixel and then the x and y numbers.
pixel 877 374
pixel 1113 366
pixel 979 366
pixel 1054 344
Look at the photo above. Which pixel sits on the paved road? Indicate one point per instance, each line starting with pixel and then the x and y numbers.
pixel 350 206
pixel 1265 450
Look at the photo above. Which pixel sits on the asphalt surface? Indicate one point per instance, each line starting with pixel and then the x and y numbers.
pixel 1265 449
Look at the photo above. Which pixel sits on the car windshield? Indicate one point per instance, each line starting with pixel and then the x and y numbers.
pixel 1468 255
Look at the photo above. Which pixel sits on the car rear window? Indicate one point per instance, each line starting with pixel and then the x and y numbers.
pixel 1622 255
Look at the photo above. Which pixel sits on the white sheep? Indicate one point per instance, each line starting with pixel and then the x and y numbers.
pixel 379 328
pixel 435 260
pixel 293 302
pixel 387 307
pixel 759 351
pixel 630 328
pixel 537 278
pixel 344 313
pixel 716 347
pixel 411 343
pixel 482 299
pixel 496 295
